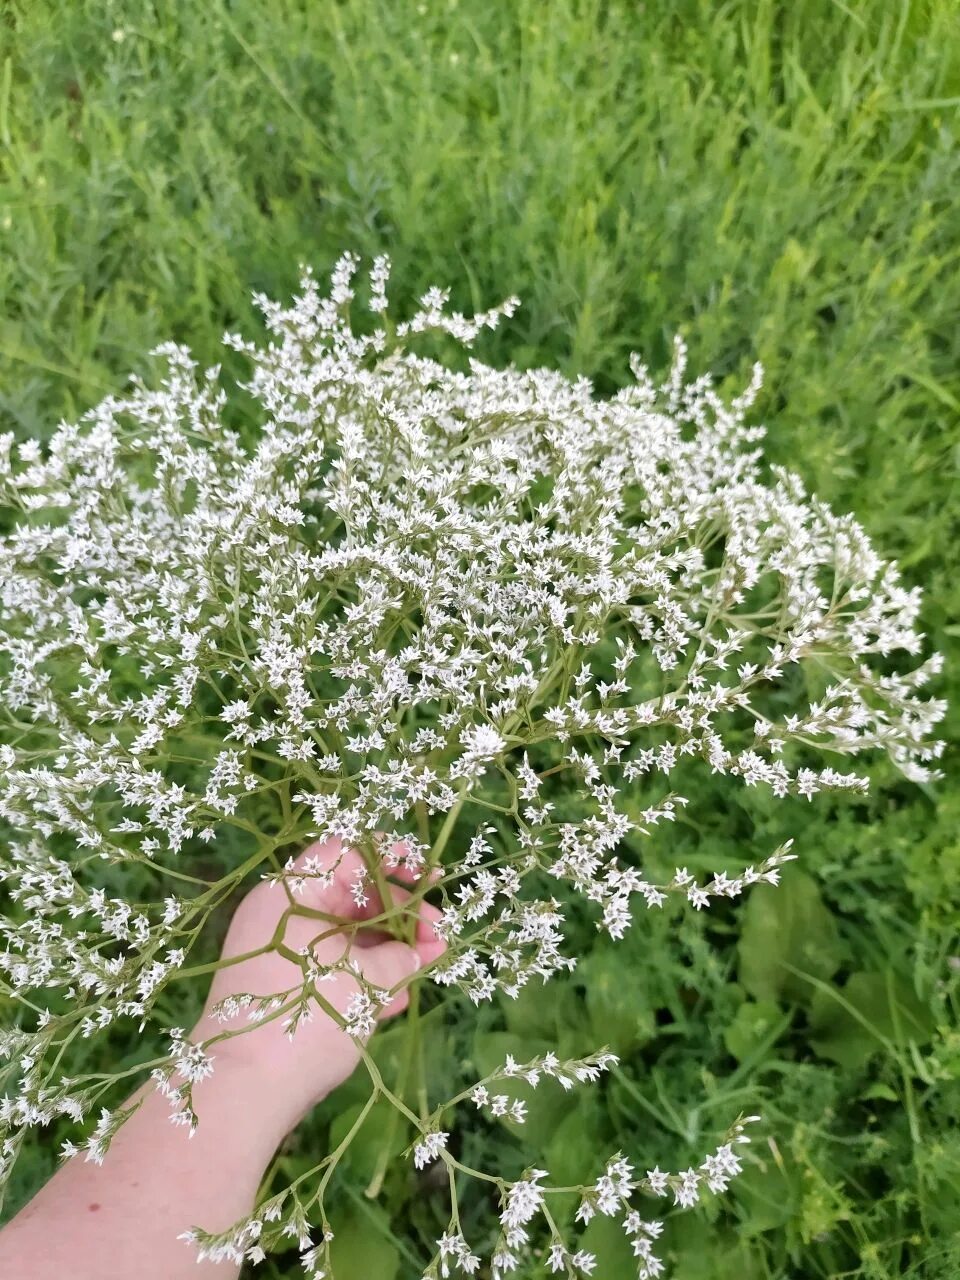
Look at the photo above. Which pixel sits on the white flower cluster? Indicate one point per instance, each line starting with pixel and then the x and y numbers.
pixel 610 1196
pixel 273 1225
pixel 480 605
pixel 454 1251
pixel 527 1198
pixel 426 1151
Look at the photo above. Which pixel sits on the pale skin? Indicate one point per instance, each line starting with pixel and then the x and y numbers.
pixel 122 1218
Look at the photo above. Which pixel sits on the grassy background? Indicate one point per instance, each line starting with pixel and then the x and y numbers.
pixel 776 181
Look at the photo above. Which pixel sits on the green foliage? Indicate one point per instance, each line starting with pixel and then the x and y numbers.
pixel 871 1010
pixel 362 1245
pixel 775 181
pixel 787 940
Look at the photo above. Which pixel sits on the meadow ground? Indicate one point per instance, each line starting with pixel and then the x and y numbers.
pixel 774 181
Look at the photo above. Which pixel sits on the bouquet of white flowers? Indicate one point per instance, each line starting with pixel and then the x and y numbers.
pixel 477 615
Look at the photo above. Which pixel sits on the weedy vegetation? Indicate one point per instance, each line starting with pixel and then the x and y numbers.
pixel 773 183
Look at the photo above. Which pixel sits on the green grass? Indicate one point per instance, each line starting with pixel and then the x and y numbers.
pixel 775 181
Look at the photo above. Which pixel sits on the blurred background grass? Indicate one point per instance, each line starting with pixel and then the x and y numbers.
pixel 777 182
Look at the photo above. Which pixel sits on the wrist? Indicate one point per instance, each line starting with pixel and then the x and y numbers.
pixel 241 1086
pixel 273 1080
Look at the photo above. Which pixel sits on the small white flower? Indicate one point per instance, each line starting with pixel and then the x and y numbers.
pixel 427 1150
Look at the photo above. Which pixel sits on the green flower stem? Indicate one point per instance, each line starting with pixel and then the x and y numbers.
pixel 411 1045
pixel 335 1156
pixel 447 829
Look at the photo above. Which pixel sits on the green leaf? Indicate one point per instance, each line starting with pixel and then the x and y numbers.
pixel 577 1152
pixel 765 1198
pixel 696 1249
pixel 618 1008
pixel 880 1090
pixel 754 1021
pixel 361 1246
pixel 536 1012
pixel 363 1153
pixel 853 1022
pixel 787 928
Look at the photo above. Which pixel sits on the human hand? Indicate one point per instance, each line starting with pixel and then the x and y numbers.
pixel 291 1075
